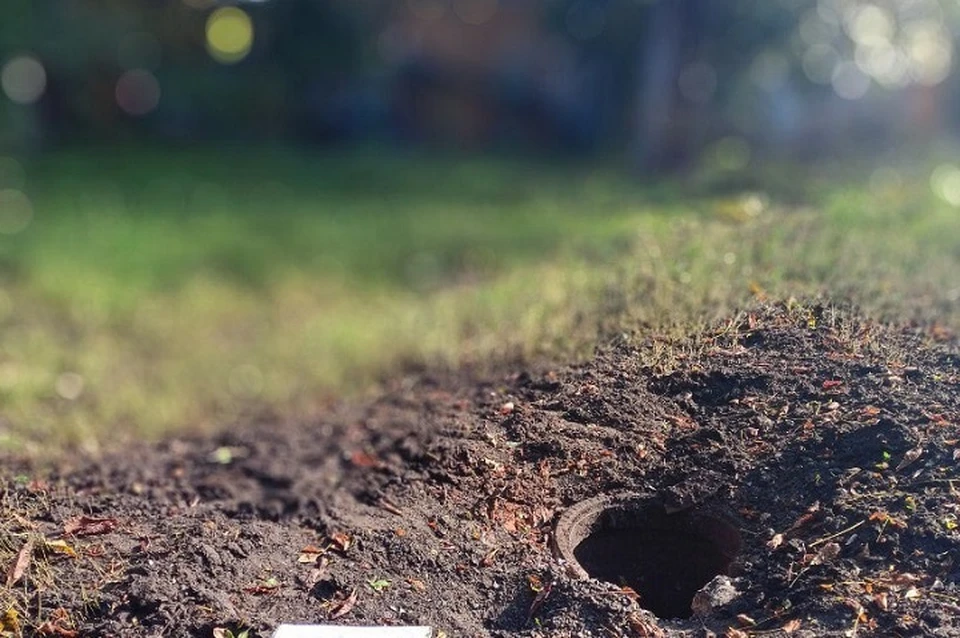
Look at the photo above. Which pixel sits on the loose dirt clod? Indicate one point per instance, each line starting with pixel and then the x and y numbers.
pixel 789 430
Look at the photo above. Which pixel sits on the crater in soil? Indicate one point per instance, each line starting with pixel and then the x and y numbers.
pixel 633 542
pixel 806 453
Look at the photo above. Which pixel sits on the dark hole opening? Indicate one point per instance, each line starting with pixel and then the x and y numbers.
pixel 665 558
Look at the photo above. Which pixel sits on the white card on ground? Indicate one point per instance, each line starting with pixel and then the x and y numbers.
pixel 335 631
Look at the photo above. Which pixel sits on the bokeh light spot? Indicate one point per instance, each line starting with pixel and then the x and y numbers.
pixel 16 211
pixel 819 63
pixel 945 182
pixel 229 35
pixel 814 30
pixel 870 25
pixel 23 79
pixel 849 82
pixel 138 92
pixel 69 386
pixel 930 51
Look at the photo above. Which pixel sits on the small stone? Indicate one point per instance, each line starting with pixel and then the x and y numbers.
pixel 714 595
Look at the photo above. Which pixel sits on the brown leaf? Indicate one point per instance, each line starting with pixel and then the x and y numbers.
pixel 341 541
pixel 791 626
pixel 832 383
pixel 309 554
pixel 55 625
pixel 343 608
pixel 89 526
pixel 20 564
pixel 53 629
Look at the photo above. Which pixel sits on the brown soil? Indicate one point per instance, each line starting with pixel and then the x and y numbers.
pixel 829 442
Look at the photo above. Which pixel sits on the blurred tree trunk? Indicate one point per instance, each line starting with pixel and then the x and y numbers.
pixel 657 96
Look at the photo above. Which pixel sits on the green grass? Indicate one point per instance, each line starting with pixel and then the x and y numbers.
pixel 163 291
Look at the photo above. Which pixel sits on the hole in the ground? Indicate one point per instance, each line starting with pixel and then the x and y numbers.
pixel 665 558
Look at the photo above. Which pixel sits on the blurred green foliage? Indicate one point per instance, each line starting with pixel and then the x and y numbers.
pixel 158 291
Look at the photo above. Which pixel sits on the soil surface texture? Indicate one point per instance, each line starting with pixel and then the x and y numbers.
pixel 797 462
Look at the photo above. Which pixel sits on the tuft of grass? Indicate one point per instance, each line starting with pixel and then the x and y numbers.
pixel 162 291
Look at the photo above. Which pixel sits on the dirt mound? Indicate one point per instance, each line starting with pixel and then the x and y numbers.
pixel 827 444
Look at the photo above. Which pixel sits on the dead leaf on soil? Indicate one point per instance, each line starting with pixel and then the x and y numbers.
pixel 59 547
pixel 89 526
pixel 343 607
pixel 806 517
pixel 791 626
pixel 310 554
pixel 20 564
pixel 55 625
pixel 365 460
pixel 341 541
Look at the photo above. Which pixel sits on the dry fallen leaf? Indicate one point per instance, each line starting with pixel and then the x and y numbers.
pixel 55 625
pixel 343 608
pixel 309 554
pixel 89 526
pixel 59 547
pixel 20 564
pixel 341 541
pixel 791 626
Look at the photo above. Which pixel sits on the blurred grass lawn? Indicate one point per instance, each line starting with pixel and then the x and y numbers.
pixel 158 292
